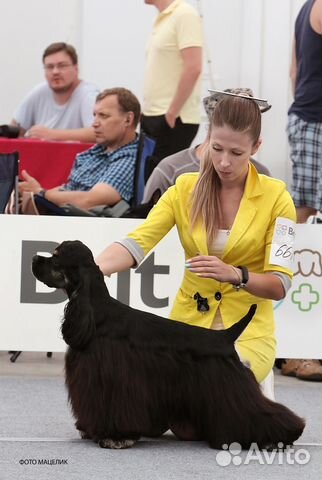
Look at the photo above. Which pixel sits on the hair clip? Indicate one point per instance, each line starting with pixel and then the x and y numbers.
pixel 202 302
pixel 240 92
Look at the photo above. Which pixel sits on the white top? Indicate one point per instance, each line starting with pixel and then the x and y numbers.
pixel 39 108
pixel 217 248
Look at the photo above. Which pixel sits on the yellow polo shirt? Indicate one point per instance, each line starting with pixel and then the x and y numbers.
pixel 175 28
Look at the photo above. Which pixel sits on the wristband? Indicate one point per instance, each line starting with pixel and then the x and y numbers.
pixel 244 280
pixel 42 193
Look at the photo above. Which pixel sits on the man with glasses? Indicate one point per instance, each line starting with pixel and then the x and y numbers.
pixel 62 107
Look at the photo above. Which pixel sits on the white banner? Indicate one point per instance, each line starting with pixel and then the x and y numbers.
pixel 31 313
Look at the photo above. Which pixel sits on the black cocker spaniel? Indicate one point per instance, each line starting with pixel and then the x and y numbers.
pixel 130 373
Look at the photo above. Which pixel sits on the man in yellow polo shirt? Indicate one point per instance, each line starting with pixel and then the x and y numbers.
pixel 171 103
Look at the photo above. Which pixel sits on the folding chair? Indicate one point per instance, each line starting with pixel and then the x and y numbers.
pixel 9 167
pixel 144 166
pixel 145 163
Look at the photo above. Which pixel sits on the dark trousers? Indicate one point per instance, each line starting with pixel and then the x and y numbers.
pixel 168 140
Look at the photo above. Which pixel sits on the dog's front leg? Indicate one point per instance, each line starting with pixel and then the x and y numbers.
pixel 116 444
pixel 83 434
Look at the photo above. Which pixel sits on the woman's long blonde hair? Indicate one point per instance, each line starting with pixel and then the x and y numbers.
pixel 242 115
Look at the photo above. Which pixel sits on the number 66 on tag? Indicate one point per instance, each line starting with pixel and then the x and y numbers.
pixel 282 243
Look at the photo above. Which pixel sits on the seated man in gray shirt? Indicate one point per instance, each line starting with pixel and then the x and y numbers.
pixel 62 107
pixel 166 172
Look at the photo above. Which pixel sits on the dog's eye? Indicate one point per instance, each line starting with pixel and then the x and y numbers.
pixel 55 260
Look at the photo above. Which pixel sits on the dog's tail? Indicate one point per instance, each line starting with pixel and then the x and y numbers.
pixel 237 329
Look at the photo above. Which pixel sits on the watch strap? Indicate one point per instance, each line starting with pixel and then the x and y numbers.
pixel 245 275
pixel 245 278
pixel 42 193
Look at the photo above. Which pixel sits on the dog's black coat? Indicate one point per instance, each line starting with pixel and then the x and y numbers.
pixel 130 373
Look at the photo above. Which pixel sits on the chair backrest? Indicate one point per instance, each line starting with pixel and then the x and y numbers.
pixel 143 168
pixel 9 168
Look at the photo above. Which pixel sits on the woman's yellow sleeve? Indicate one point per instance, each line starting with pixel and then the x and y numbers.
pixel 158 223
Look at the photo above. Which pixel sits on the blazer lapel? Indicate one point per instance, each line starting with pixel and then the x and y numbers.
pixel 243 220
pixel 200 239
pixel 247 210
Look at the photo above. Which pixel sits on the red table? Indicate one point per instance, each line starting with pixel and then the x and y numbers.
pixel 48 162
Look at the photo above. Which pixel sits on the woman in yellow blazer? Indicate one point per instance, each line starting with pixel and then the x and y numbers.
pixel 236 227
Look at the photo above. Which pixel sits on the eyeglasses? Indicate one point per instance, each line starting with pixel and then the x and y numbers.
pixel 59 66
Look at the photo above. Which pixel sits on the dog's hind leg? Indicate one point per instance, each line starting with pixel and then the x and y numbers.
pixel 116 444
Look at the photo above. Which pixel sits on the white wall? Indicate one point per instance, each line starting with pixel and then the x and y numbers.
pixel 113 41
pixel 26 28
pixel 248 44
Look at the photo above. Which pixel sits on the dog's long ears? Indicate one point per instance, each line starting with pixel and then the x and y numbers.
pixel 236 330
pixel 79 327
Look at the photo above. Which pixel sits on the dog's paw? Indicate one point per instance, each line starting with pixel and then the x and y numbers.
pixel 116 444
pixel 84 435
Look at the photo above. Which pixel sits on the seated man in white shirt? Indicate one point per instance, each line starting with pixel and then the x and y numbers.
pixel 61 108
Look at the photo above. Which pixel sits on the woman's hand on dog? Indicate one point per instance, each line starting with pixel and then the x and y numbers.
pixel 212 267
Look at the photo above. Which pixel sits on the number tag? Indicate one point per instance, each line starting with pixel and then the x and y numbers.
pixel 282 243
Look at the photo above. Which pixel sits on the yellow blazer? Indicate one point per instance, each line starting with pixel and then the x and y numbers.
pixel 249 244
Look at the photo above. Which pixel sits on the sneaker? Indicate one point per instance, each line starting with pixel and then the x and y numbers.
pixel 290 366
pixel 310 370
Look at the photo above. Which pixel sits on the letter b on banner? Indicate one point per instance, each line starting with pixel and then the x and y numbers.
pixel 28 293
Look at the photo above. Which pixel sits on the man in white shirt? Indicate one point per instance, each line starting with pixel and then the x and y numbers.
pixel 60 109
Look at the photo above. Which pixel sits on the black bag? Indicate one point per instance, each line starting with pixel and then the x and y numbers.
pixel 9 131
